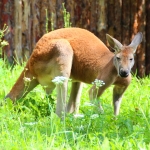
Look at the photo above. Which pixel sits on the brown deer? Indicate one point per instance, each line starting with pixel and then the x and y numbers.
pixel 77 54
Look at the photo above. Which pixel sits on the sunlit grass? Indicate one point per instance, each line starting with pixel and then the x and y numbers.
pixel 32 123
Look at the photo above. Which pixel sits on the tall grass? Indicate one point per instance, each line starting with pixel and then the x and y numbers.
pixel 32 123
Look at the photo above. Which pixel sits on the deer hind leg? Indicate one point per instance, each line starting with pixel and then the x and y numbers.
pixel 74 100
pixel 118 92
pixel 63 63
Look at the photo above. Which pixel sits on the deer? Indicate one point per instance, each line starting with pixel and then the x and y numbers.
pixel 79 55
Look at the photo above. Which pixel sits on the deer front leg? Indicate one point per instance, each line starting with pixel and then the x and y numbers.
pixel 95 93
pixel 117 97
pixel 74 100
pixel 61 98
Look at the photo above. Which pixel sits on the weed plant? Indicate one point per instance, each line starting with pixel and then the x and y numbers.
pixel 66 17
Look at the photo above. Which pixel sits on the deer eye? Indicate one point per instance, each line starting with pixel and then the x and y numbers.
pixel 118 58
pixel 131 59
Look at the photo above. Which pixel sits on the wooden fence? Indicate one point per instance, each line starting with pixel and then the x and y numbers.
pixel 122 19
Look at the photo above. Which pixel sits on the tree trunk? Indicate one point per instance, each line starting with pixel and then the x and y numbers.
pixel 141 49
pixel 147 42
pixel 18 31
pixel 102 20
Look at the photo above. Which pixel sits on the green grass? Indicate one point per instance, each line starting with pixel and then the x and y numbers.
pixel 31 124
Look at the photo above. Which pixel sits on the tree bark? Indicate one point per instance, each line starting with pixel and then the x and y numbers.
pixel 27 22
pixel 7 10
pixel 117 20
pixel 18 31
pixel 141 48
pixel 102 20
pixel 126 22
pixel 147 51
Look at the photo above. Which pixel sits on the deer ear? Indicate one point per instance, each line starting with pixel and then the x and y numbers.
pixel 136 41
pixel 114 44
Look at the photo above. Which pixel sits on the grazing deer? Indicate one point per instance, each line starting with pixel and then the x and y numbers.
pixel 77 54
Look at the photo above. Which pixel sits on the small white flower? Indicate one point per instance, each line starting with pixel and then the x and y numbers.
pixel 98 83
pixel 59 80
pixel 94 116
pixel 88 104
pixel 78 115
pixel 81 127
pixel 22 129
pixel 30 123
pixel 27 79
pixel 4 43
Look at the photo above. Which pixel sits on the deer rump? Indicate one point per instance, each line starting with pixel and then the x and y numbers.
pixel 77 54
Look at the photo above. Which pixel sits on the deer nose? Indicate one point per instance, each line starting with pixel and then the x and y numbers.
pixel 124 72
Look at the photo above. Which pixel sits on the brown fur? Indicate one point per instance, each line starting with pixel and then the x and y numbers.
pixel 74 53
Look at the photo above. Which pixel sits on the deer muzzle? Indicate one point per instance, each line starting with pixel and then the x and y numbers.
pixel 124 72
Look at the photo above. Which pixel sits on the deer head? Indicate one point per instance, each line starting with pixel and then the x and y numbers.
pixel 124 55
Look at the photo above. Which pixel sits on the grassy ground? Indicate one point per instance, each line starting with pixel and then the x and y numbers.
pixel 32 124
